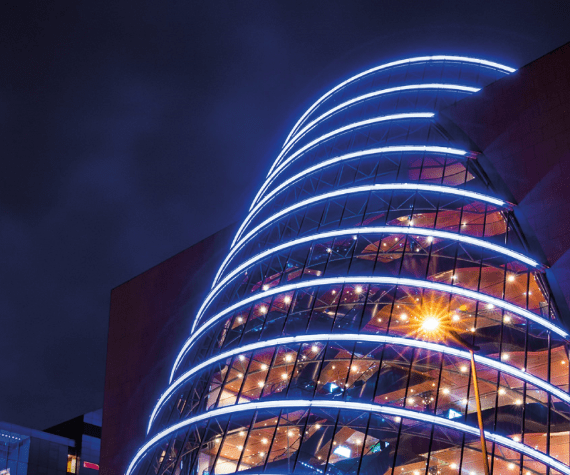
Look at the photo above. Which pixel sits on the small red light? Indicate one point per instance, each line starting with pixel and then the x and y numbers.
pixel 94 466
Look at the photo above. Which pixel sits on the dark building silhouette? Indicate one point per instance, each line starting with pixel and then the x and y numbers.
pixel 72 447
pixel 414 199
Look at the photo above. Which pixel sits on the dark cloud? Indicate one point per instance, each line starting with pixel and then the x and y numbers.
pixel 131 130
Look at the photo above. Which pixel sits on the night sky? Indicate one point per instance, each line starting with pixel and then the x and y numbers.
pixel 132 130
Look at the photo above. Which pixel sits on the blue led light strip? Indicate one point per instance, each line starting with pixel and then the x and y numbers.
pixel 361 153
pixel 392 340
pixel 461 59
pixel 374 408
pixel 471 294
pixel 356 100
pixel 301 133
pixel 359 232
pixel 349 191
pixel 272 176
pixel 355 125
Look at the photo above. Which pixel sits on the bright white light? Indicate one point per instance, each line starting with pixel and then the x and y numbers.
pixel 507 369
pixel 389 65
pixel 453 414
pixel 430 324
pixel 342 451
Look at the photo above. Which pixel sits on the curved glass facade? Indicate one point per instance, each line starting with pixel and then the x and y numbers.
pixel 323 345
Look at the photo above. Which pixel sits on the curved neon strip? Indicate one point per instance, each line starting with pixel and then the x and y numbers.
pixel 359 337
pixel 355 125
pixel 357 406
pixel 361 153
pixel 355 100
pixel 272 176
pixel 471 294
pixel 462 59
pixel 359 231
pixel 357 189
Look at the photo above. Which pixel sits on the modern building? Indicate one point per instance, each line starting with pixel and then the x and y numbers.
pixel 402 212
pixel 71 447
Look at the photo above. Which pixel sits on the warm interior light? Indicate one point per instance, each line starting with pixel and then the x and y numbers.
pixel 430 323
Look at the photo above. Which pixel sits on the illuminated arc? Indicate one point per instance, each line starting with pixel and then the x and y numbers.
pixel 356 232
pixel 392 340
pixel 361 153
pixel 271 177
pixel 461 59
pixel 366 279
pixel 357 189
pixel 354 125
pixel 305 129
pixel 356 406
pixel 370 95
